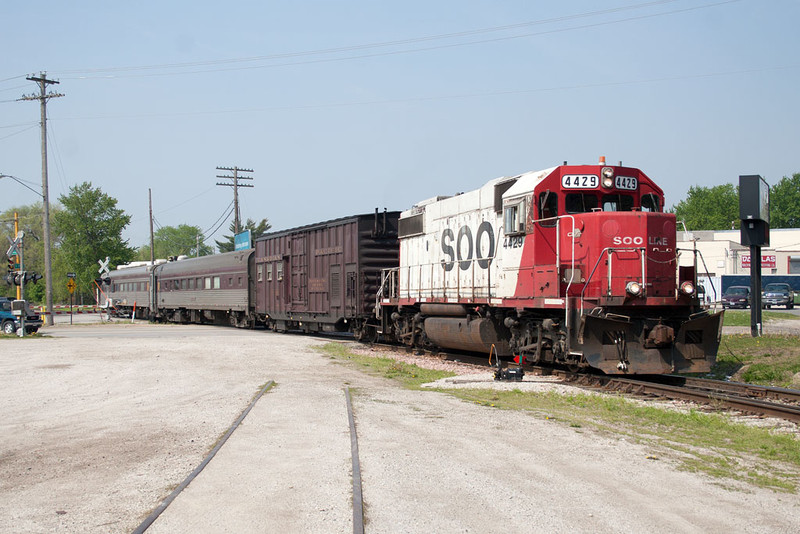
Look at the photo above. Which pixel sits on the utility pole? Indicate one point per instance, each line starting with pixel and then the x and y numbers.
pixel 43 97
pixel 16 233
pixel 152 239
pixel 236 185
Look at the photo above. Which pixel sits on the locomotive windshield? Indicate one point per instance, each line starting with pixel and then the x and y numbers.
pixel 580 202
pixel 617 202
pixel 650 202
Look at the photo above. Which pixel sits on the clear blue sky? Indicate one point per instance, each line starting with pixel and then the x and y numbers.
pixel 344 106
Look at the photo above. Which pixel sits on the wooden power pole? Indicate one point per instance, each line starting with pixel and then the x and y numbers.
pixel 237 221
pixel 43 97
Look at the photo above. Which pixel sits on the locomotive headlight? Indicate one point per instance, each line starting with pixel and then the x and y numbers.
pixel 608 177
pixel 687 288
pixel 634 289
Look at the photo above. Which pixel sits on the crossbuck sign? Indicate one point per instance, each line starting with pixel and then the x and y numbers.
pixel 103 270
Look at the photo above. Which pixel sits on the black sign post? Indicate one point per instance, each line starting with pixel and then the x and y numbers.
pixel 754 215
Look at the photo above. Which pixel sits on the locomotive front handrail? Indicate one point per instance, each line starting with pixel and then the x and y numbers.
pixel 609 250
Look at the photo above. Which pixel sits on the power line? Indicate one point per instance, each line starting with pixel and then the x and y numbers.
pixel 222 218
pixel 31 127
pixel 617 83
pixel 207 235
pixel 173 72
pixel 381 44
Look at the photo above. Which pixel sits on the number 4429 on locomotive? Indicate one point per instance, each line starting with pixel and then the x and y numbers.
pixel 575 264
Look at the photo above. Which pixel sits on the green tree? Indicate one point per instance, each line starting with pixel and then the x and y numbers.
pixel 30 222
pixel 709 208
pixel 784 203
pixel 91 228
pixel 256 231
pixel 176 241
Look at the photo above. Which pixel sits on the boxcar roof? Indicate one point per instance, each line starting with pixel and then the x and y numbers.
pixel 324 224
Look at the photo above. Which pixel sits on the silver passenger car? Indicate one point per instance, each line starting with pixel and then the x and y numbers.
pixel 209 289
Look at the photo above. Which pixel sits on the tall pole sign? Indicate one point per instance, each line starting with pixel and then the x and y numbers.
pixel 754 215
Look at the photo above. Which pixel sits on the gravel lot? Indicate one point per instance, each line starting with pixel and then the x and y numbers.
pixel 100 422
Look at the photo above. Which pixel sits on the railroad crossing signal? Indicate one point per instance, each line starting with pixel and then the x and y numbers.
pixel 103 266
pixel 16 244
pixel 71 286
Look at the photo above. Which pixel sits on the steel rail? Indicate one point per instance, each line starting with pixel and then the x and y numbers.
pixel 744 404
pixel 746 398
pixel 784 395
pixel 358 500
pixel 188 480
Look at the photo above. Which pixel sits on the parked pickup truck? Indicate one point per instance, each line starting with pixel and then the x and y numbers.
pixel 777 295
pixel 10 322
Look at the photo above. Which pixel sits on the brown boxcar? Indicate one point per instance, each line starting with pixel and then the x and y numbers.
pixel 324 277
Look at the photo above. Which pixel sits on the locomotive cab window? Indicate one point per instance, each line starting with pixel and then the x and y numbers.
pixel 651 202
pixel 514 219
pixel 548 207
pixel 580 202
pixel 617 202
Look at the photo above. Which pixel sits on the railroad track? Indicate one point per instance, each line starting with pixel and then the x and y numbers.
pixel 750 399
pixel 745 398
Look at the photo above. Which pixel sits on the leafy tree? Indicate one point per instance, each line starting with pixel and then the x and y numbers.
pixel 256 231
pixel 91 227
pixel 709 208
pixel 784 200
pixel 30 221
pixel 176 241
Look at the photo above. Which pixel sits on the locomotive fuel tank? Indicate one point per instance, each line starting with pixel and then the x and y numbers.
pixel 465 333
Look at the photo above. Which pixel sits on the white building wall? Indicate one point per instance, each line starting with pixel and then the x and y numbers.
pixel 723 253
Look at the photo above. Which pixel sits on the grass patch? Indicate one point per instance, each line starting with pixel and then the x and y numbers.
pixel 709 443
pixel 742 317
pixel 712 444
pixel 410 375
pixel 770 360
pixel 15 336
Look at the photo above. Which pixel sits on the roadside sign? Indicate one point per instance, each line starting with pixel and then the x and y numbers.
pixel 242 240
pixel 71 286
pixel 70 275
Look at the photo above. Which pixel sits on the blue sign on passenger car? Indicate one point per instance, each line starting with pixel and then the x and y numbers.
pixel 241 241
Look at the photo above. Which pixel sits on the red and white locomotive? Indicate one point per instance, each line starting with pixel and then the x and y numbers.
pixel 575 264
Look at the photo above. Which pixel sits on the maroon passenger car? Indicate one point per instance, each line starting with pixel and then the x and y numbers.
pixel 323 277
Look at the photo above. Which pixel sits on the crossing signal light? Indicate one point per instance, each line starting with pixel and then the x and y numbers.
pixel 32 277
pixel 9 279
pixel 12 263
